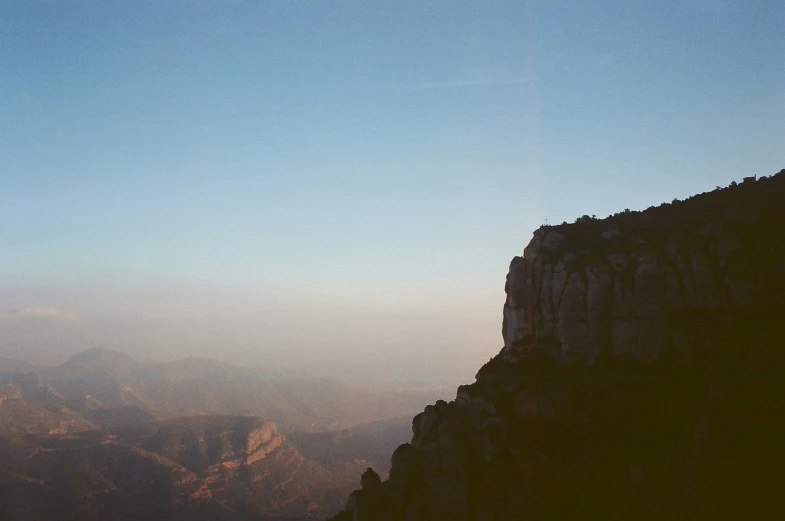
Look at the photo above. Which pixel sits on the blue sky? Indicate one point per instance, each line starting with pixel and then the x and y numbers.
pixel 378 154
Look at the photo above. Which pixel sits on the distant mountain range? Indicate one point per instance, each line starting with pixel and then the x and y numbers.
pixel 100 388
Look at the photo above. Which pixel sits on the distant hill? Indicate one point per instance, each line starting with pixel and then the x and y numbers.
pixel 99 361
pixel 108 389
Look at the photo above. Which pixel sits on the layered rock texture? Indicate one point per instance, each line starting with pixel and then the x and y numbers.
pixel 642 377
pixel 642 283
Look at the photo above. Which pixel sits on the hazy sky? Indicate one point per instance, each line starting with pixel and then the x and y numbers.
pixel 345 181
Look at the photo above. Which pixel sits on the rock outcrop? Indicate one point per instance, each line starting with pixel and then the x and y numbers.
pixel 641 377
pixel 643 283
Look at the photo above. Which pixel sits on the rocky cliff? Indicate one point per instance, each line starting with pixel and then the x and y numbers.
pixel 645 282
pixel 641 377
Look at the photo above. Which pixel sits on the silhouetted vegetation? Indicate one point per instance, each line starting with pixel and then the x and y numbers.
pixel 752 211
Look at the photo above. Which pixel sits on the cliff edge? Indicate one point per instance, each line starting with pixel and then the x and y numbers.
pixel 641 283
pixel 641 377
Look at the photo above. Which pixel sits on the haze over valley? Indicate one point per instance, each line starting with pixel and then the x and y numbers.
pixel 269 330
pixel 506 260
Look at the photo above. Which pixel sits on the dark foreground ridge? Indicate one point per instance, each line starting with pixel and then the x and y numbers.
pixel 642 377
